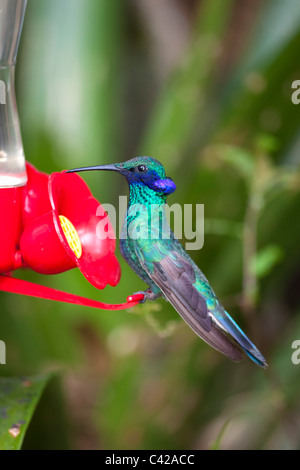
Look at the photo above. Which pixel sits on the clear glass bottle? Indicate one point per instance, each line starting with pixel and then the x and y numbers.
pixel 12 159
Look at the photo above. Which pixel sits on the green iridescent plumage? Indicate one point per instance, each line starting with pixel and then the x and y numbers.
pixel 151 250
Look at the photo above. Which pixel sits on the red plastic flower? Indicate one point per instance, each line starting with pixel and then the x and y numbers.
pixel 61 231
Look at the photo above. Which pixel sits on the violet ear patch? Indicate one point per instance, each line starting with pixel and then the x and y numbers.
pixel 166 186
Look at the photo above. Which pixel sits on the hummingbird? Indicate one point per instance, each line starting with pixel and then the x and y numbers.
pixel 151 249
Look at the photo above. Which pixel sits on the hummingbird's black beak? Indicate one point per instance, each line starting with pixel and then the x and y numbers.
pixel 91 168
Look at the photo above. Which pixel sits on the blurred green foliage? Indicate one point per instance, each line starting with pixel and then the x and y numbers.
pixel 222 122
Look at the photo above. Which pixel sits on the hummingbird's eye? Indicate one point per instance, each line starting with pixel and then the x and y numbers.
pixel 142 168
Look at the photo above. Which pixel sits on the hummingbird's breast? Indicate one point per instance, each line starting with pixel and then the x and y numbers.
pixel 147 222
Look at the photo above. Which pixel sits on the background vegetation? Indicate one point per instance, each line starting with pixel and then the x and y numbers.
pixel 205 87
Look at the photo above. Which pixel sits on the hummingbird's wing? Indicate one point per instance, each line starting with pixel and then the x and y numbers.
pixel 187 289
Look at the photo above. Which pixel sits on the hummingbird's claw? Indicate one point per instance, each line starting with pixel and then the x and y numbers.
pixel 141 296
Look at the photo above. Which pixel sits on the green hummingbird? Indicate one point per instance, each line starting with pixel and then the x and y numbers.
pixel 150 248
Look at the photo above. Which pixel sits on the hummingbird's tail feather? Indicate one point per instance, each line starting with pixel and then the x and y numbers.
pixel 228 323
pixel 260 361
pixel 215 337
pixel 215 327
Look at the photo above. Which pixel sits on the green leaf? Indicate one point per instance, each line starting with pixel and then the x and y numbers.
pixel 266 259
pixel 266 143
pixel 240 159
pixel 19 397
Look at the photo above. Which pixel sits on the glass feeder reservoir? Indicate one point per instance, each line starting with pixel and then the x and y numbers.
pixel 12 160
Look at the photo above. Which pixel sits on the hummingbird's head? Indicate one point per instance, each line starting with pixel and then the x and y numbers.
pixel 145 171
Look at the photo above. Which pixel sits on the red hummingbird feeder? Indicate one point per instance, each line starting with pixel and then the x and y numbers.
pixel 48 223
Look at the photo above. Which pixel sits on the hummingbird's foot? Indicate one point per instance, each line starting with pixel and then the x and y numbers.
pixel 148 295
